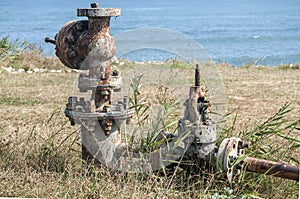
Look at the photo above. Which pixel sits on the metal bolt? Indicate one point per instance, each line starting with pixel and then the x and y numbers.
pixel 125 102
pixel 82 102
pixel 48 40
pixel 94 5
pixel 79 27
pixel 243 145
pixel 70 39
pixel 72 54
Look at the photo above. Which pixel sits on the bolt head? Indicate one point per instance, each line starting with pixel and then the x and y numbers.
pixel 94 5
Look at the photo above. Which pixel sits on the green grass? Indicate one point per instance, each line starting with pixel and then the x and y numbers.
pixel 12 50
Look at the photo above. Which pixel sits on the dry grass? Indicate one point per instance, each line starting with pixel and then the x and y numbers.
pixel 256 93
pixel 22 55
pixel 40 151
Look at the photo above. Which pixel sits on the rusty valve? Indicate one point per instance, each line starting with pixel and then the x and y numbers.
pixel 91 38
pixel 87 44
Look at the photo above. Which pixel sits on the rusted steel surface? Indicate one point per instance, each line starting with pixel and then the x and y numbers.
pixel 272 168
pixel 87 44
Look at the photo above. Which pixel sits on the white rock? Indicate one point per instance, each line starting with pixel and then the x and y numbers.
pixel 121 63
pixel 36 70
pixel 9 69
pixel 76 71
pixel 115 60
pixel 29 71
pixel 52 71
pixel 58 71
pixel 21 70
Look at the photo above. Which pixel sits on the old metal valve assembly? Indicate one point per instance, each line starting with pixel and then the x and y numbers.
pixel 88 45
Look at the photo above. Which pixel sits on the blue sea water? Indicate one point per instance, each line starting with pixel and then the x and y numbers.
pixel 264 32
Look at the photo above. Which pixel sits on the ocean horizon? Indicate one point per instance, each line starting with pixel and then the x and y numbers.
pixel 237 32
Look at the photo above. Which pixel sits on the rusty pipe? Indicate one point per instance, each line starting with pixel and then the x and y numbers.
pixel 267 167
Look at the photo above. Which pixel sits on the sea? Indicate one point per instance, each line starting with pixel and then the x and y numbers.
pixel 239 32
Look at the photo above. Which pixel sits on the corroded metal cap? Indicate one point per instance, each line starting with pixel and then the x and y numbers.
pixel 95 11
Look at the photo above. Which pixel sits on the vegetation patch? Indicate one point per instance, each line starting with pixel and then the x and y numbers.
pixel 41 153
pixel 18 101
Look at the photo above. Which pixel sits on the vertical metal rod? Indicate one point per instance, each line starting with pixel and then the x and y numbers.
pixel 272 168
pixel 197 75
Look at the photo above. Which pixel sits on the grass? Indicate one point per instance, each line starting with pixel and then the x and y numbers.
pixel 22 55
pixel 41 153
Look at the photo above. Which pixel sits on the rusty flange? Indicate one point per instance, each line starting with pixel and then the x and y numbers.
pixel 233 148
pixel 229 151
pixel 68 44
pixel 95 11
